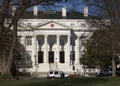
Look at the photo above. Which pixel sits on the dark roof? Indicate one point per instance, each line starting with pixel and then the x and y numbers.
pixel 53 15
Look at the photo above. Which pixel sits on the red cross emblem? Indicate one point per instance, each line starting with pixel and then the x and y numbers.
pixel 52 25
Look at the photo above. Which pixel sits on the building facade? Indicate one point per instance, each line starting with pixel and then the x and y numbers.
pixel 54 43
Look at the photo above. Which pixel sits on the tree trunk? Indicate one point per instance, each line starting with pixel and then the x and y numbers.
pixel 5 73
pixel 8 59
pixel 5 70
pixel 113 66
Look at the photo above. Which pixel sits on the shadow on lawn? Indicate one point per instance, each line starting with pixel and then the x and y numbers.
pixel 69 82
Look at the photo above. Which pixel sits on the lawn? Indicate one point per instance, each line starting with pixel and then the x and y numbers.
pixel 107 81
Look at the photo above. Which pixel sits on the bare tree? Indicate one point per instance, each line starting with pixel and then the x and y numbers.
pixel 8 36
pixel 108 12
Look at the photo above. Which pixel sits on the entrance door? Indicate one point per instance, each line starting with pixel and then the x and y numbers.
pixel 51 56
pixel 40 56
pixel 62 57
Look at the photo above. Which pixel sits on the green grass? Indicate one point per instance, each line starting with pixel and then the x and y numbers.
pixel 107 81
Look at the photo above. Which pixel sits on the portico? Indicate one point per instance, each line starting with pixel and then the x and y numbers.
pixel 55 47
pixel 52 44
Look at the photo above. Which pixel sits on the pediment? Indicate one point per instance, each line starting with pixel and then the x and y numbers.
pixel 52 25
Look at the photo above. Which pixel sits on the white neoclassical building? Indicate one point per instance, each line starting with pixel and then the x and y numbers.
pixel 53 40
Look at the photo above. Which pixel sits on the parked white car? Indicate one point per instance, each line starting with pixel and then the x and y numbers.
pixel 57 74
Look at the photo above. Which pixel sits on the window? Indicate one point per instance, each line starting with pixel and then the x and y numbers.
pixel 51 56
pixel 29 24
pixel 19 39
pixel 29 55
pixel 82 25
pixel 28 41
pixel 19 24
pixel 28 59
pixel 40 57
pixel 72 24
pixel 62 57
pixel 39 42
pixel 83 40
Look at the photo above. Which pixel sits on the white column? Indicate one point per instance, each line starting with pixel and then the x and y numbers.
pixel 34 42
pixel 46 50
pixel 58 49
pixel 67 59
pixel 77 50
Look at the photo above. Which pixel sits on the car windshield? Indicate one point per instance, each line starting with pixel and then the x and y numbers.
pixel 56 72
pixel 51 72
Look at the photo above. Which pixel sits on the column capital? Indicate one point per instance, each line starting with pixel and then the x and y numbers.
pixel 78 35
pixel 24 36
pixel 46 35
pixel 34 35
pixel 58 35
pixel 69 35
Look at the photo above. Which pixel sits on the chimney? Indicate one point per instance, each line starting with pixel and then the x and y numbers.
pixel 64 11
pixel 13 9
pixel 35 10
pixel 86 11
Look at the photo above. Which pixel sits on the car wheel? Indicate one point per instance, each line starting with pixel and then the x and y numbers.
pixel 52 78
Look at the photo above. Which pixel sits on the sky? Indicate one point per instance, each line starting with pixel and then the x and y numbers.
pixel 76 5
pixel 72 5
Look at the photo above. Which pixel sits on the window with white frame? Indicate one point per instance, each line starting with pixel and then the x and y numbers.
pixel 28 59
pixel 29 55
pixel 83 25
pixel 72 24
pixel 19 24
pixel 29 41
pixel 29 24
pixel 83 40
